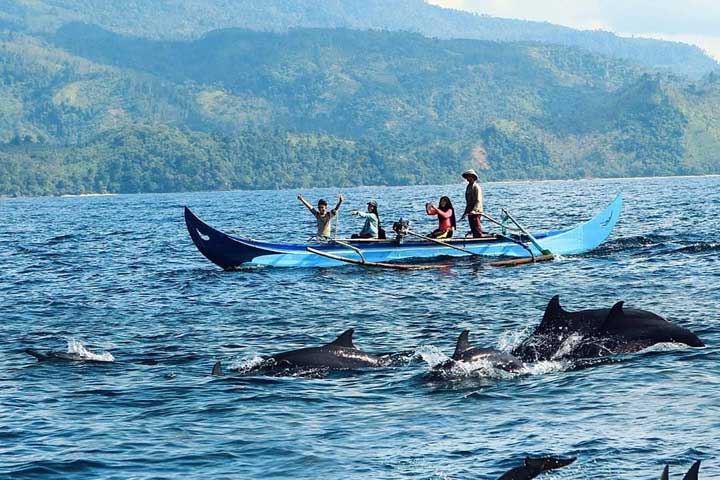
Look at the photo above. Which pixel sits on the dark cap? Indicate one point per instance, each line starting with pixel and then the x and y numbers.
pixel 322 201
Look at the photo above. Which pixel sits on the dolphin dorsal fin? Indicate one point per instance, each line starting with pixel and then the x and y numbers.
pixel 344 340
pixel 553 314
pixel 553 308
pixel 692 474
pixel 462 344
pixel 666 473
pixel 614 316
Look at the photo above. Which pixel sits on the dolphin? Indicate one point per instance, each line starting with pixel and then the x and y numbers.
pixel 340 354
pixel 466 354
pixel 62 356
pixel 692 474
pixel 534 466
pixel 598 333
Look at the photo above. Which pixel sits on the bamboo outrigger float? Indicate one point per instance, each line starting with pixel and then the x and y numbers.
pixel 230 252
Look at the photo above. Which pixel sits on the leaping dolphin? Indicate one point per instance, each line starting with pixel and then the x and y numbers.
pixel 340 354
pixel 534 466
pixel 598 332
pixel 691 474
pixel 466 354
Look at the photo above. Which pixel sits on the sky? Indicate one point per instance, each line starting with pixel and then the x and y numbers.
pixel 690 21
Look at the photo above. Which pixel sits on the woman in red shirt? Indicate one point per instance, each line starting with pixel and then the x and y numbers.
pixel 446 217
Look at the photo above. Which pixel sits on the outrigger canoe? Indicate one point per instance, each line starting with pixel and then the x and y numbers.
pixel 231 252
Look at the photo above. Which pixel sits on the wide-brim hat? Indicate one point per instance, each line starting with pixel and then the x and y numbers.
pixel 373 203
pixel 472 172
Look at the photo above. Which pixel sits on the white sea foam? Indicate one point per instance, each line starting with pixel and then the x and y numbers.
pixel 432 355
pixel 510 339
pixel 76 347
pixel 568 345
pixel 247 364
pixel 546 366
pixel 480 368
pixel 665 347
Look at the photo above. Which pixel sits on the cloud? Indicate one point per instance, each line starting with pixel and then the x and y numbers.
pixel 690 21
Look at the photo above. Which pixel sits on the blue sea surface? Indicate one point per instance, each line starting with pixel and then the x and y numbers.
pixel 119 275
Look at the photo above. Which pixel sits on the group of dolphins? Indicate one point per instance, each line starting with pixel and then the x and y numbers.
pixel 584 334
pixel 534 466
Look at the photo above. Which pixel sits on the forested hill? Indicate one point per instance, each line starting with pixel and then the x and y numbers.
pixel 87 110
pixel 175 19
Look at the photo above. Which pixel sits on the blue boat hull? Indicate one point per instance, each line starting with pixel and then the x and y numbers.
pixel 231 252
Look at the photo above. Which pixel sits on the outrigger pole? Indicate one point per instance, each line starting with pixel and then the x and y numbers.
pixel 500 263
pixel 445 244
pixel 364 263
pixel 546 254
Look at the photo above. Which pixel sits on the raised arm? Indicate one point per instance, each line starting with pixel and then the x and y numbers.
pixel 305 202
pixel 340 200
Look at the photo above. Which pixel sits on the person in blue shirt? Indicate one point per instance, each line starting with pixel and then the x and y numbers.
pixel 371 228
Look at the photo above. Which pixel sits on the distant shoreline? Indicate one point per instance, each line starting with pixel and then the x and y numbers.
pixel 490 182
pixel 72 195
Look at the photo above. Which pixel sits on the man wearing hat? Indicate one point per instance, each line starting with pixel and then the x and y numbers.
pixel 371 229
pixel 323 216
pixel 474 202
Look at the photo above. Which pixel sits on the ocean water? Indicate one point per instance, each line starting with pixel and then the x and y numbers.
pixel 118 277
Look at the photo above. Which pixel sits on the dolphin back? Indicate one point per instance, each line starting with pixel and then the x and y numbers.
pixel 534 466
pixel 601 331
pixel 39 355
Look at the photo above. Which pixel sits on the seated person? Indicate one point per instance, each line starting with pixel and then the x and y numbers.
pixel 446 218
pixel 371 228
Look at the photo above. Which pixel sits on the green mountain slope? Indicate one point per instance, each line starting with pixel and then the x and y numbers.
pixel 176 19
pixel 89 110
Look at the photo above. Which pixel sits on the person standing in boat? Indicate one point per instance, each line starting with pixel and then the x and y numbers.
pixel 322 215
pixel 446 217
pixel 371 229
pixel 474 203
